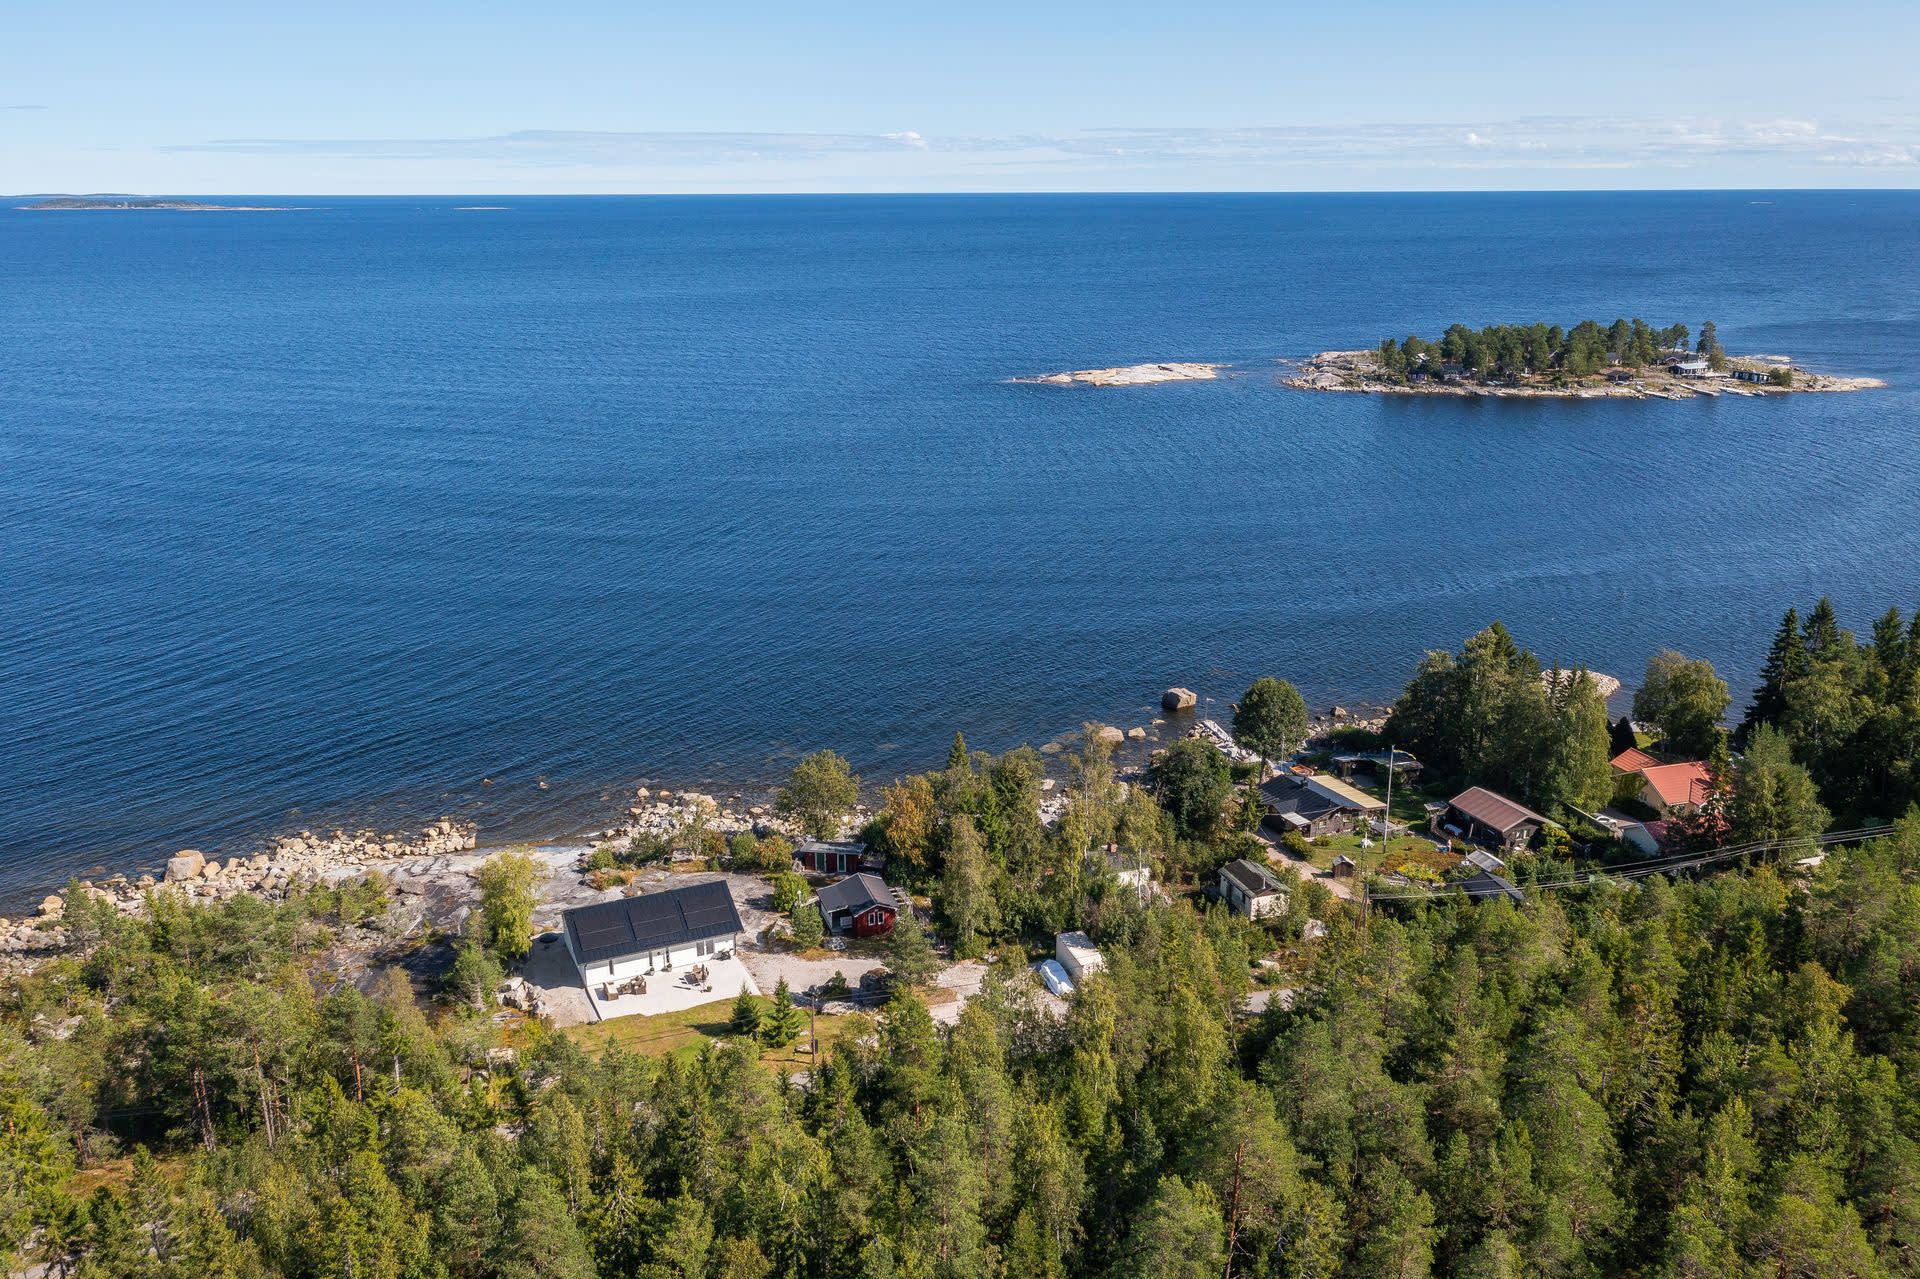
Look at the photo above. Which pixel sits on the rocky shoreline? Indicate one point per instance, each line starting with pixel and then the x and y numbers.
pixel 429 870
pixel 1361 371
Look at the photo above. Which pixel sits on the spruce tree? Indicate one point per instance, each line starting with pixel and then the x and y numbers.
pixel 784 1020
pixel 1786 661
pixel 806 925
pixel 746 1014
pixel 910 956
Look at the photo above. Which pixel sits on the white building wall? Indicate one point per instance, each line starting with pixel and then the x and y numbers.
pixel 678 957
pixel 1078 955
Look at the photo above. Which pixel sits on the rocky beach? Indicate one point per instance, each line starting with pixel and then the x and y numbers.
pixel 429 870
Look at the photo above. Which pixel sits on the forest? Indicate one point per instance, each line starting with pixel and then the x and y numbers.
pixel 1504 350
pixel 1699 1076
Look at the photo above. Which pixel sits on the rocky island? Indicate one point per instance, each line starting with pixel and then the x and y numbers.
pixel 1130 375
pixel 119 203
pixel 1627 360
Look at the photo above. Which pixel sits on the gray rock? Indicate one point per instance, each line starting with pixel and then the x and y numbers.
pixel 185 864
pixel 1179 699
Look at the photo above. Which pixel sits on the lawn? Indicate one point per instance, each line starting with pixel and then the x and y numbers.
pixel 692 1028
pixel 1401 848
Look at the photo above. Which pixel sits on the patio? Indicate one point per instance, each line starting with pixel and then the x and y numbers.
pixel 672 992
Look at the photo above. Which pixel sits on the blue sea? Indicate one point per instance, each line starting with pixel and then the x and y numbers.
pixel 381 509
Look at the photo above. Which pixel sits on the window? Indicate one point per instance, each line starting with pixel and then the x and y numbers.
pixel 704 948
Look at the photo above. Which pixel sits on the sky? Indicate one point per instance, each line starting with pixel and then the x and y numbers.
pixel 585 96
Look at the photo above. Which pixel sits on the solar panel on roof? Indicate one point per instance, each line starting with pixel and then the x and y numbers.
pixel 605 932
pixel 630 925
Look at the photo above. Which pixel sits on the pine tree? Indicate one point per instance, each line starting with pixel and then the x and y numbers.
pixel 806 926
pixel 1823 636
pixel 1177 1235
pixel 910 956
pixel 783 1021
pixel 1786 661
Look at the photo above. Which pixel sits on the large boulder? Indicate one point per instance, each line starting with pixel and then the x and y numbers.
pixel 1179 699
pixel 185 864
pixel 1109 734
pixel 52 908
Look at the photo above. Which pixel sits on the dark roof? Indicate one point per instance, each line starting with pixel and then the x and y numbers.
pixel 852 846
pixel 1494 811
pixel 855 893
pixel 1285 794
pixel 1252 877
pixel 630 925
pixel 1483 885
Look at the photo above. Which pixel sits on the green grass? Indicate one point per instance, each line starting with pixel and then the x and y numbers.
pixel 690 1029
pixel 1369 859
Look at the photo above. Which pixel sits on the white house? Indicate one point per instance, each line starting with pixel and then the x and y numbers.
pixel 1078 955
pixel 613 942
pixel 1252 889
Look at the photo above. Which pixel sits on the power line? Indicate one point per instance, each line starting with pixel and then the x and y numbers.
pixel 1672 862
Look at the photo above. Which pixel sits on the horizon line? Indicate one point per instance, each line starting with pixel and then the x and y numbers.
pixel 1009 191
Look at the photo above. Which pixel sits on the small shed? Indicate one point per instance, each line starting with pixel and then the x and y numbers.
pixel 1344 867
pixel 831 857
pixel 1483 886
pixel 1078 955
pixel 1481 859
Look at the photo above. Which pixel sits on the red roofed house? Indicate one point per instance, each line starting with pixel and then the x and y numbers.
pixel 1632 760
pixel 1673 790
pixel 1483 817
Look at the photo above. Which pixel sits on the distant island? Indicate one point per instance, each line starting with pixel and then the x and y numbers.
pixel 116 203
pixel 1628 359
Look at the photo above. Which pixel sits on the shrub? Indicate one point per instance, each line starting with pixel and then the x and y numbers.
pixel 644 848
pixel 788 889
pixel 776 853
pixel 745 850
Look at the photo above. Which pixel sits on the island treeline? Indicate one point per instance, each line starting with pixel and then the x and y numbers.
pixel 1712 1076
pixel 1513 350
